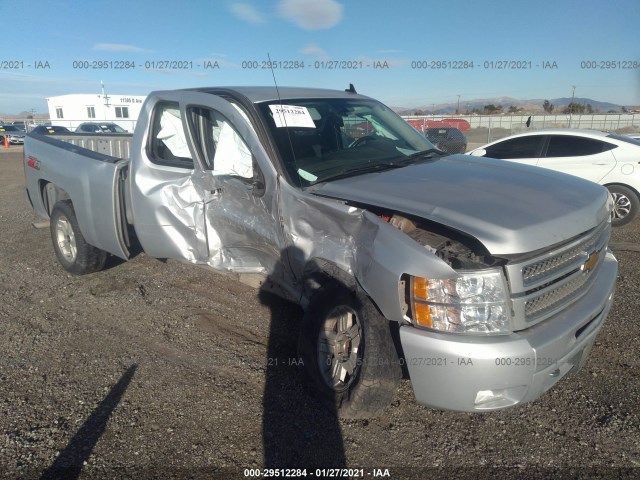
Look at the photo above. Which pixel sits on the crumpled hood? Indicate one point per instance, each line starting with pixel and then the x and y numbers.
pixel 510 208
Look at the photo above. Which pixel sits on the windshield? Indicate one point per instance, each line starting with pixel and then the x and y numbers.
pixel 324 139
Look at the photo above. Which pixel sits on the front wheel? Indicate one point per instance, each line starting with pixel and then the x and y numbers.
pixel 625 205
pixel 74 253
pixel 348 353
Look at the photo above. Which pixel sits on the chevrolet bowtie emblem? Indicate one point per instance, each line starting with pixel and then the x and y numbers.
pixel 591 262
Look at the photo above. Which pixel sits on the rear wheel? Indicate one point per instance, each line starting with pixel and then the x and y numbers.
pixel 348 353
pixel 74 253
pixel 625 205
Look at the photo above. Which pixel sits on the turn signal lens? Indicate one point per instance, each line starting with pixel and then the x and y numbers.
pixel 420 288
pixel 423 315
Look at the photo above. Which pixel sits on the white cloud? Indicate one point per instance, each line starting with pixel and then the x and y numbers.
pixel 312 14
pixel 119 47
pixel 315 51
pixel 246 12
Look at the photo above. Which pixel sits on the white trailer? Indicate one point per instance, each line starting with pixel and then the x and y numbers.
pixel 73 109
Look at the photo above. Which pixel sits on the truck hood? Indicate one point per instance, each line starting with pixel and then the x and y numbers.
pixel 510 208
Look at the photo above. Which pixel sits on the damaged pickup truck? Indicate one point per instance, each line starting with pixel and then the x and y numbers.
pixel 487 281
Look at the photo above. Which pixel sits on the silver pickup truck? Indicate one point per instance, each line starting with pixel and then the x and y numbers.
pixel 486 281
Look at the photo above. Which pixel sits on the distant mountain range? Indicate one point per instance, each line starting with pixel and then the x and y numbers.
pixel 23 115
pixel 528 106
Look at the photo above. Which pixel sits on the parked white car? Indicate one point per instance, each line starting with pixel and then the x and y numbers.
pixel 606 158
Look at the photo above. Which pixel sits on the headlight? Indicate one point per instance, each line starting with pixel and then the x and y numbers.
pixel 473 302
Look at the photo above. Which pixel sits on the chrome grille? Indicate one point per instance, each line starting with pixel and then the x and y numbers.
pixel 547 267
pixel 552 281
pixel 555 297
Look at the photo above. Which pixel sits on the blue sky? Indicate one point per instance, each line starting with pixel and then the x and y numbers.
pixel 389 34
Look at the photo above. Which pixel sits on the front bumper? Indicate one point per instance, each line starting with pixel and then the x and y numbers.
pixel 476 373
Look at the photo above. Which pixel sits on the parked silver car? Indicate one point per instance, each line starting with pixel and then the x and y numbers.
pixel 100 127
pixel 15 135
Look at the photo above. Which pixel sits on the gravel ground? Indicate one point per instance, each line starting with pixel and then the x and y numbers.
pixel 155 369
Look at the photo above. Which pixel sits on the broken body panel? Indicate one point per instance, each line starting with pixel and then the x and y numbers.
pixel 186 198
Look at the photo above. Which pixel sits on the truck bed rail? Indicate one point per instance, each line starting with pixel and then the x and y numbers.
pixel 117 146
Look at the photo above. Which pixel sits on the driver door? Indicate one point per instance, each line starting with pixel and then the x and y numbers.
pixel 205 189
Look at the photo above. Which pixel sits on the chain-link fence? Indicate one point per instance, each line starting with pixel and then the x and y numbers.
pixel 481 129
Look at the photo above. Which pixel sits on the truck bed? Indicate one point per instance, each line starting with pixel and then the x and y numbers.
pixel 110 147
pixel 88 169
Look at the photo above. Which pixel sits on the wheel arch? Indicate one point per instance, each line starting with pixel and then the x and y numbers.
pixel 625 185
pixel 320 271
pixel 50 194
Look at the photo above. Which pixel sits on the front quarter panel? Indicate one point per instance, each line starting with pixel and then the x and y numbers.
pixel 359 243
pixel 393 254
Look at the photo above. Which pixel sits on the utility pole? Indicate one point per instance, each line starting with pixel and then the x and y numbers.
pixel 105 97
pixel 573 95
pixel 458 107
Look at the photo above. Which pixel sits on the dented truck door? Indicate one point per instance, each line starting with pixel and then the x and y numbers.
pixel 204 188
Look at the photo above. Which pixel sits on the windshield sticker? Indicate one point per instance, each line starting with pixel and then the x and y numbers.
pixel 291 116
pixel 307 176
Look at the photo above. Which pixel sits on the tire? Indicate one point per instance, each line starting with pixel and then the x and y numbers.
pixel 358 375
pixel 626 205
pixel 74 254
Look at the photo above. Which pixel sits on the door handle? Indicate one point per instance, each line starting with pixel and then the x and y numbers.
pixel 599 163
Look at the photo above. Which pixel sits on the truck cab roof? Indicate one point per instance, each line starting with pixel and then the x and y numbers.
pixel 266 94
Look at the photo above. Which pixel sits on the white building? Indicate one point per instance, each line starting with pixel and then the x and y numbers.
pixel 72 110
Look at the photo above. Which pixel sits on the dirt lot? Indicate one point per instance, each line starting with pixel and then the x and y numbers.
pixel 165 370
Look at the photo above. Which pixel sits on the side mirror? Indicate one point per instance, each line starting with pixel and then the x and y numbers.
pixel 481 152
